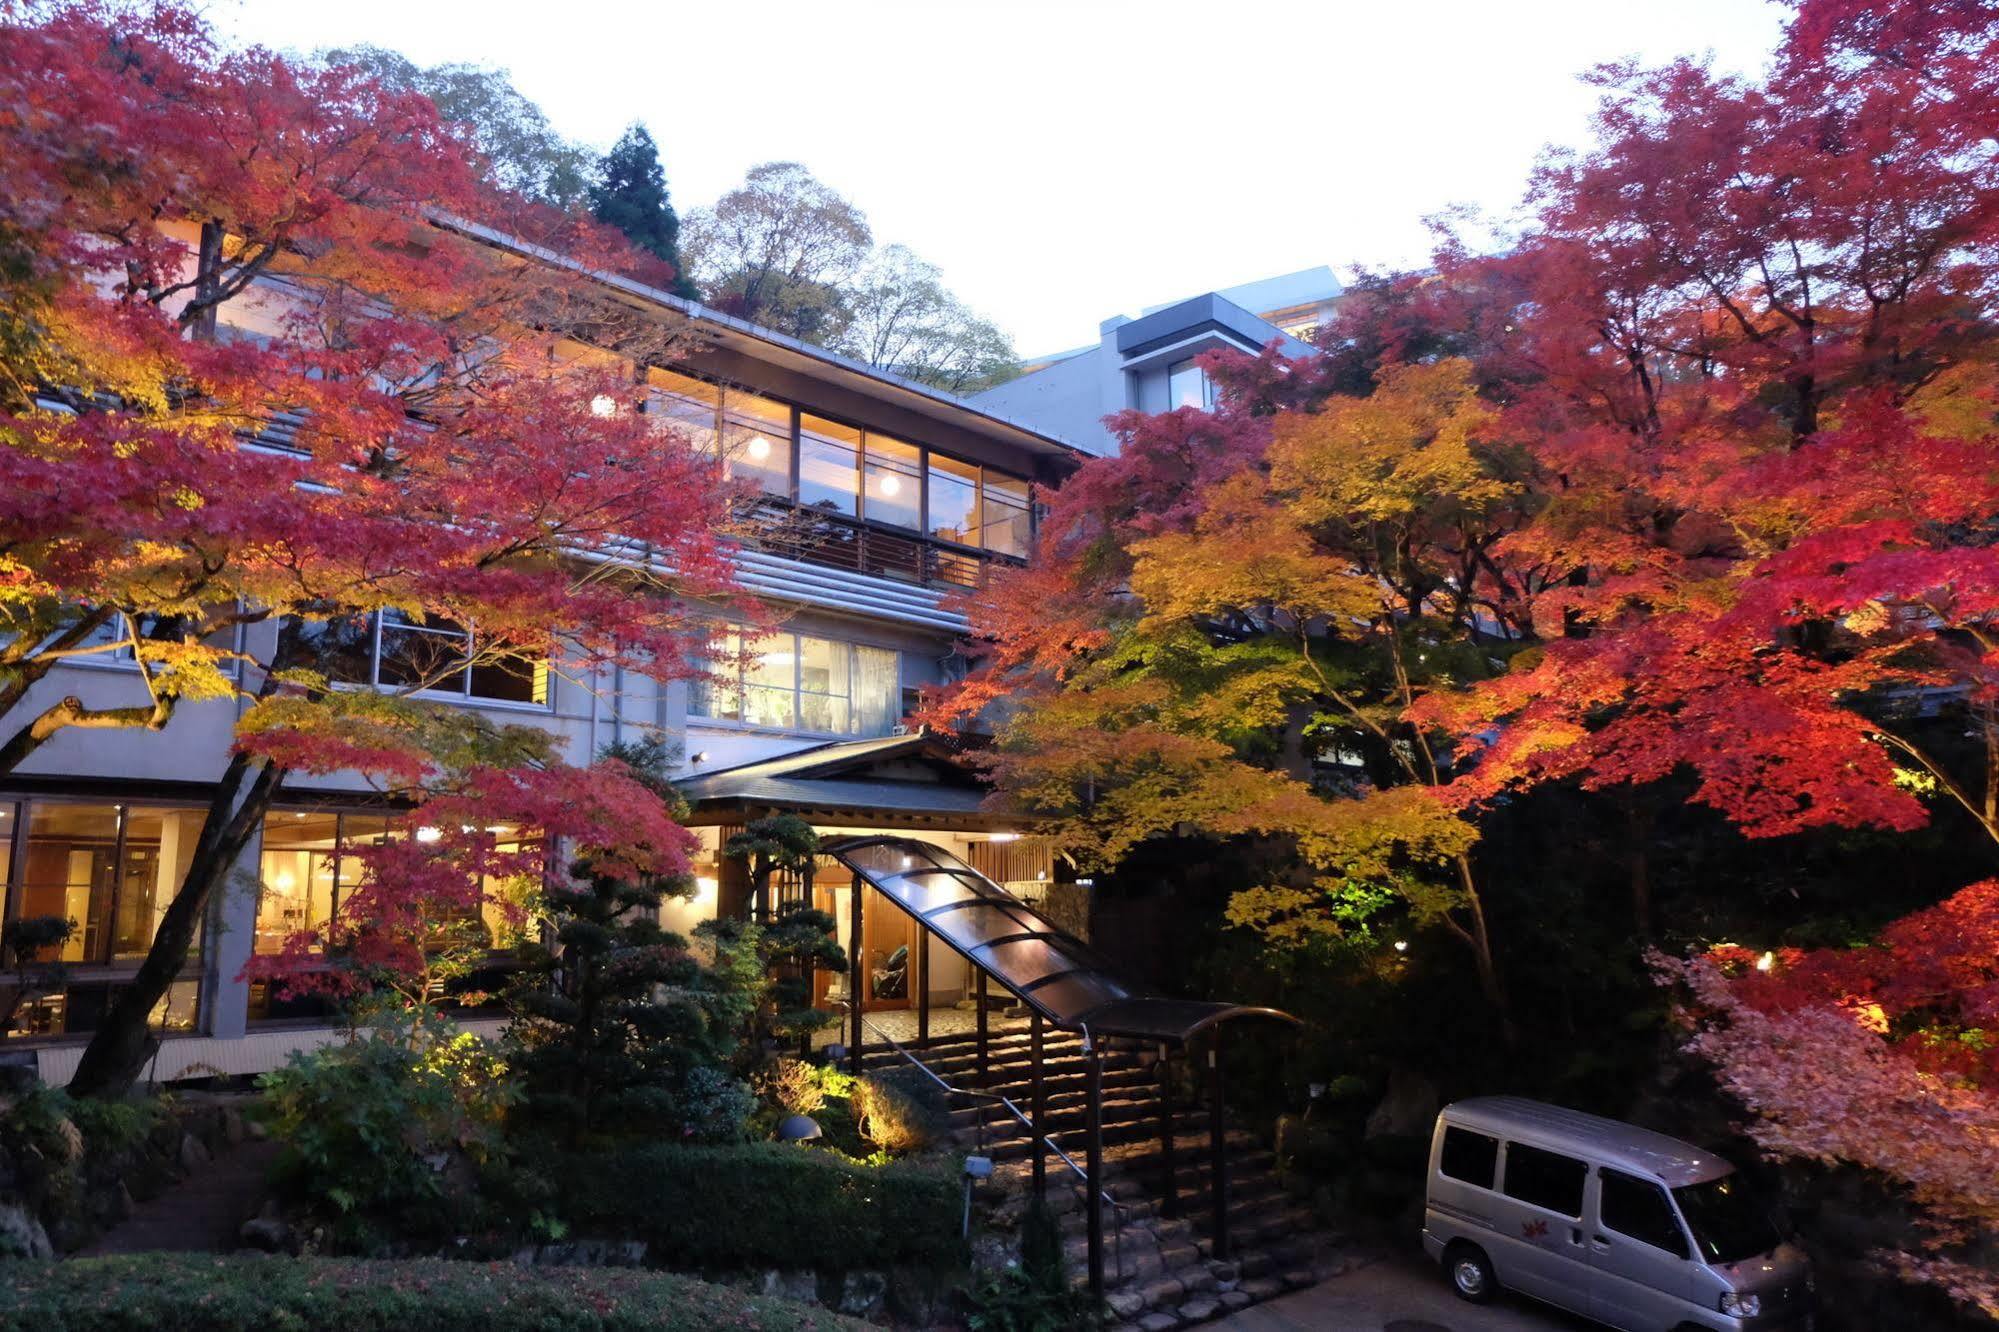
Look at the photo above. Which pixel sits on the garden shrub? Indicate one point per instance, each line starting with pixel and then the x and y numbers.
pixel 370 1124
pixel 792 1085
pixel 758 1203
pixel 901 1110
pixel 171 1292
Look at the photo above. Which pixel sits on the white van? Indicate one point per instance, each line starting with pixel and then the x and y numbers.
pixel 1630 1228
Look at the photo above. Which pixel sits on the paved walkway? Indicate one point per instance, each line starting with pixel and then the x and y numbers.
pixel 200 1214
pixel 1399 1294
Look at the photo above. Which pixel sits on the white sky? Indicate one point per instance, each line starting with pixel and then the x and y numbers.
pixel 1067 161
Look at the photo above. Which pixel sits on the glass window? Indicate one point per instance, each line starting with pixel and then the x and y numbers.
pixel 823 684
pixel 297 876
pixel 893 482
pixel 770 683
pixel 829 462
pixel 1187 386
pixel 878 703
pixel 158 848
pixel 756 441
pixel 70 868
pixel 509 680
pixel 954 500
pixel 816 684
pixel 1545 1179
pixel 720 694
pixel 341 648
pixel 427 654
pixel 1468 1156
pixel 1007 523
pixel 684 404
pixel 1641 1210
pixel 1730 1221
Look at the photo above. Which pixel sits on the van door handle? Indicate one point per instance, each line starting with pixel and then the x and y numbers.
pixel 1575 1236
pixel 1600 1244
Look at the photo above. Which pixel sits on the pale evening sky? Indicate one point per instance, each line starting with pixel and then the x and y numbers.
pixel 1066 161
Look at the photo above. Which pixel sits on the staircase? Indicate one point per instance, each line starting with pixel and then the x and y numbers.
pixel 1159 1271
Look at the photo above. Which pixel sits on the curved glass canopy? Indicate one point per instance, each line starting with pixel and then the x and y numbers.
pixel 1054 973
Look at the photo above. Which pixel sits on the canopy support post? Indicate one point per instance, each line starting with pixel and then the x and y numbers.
pixel 922 970
pixel 1218 1170
pixel 984 1066
pixel 857 972
pixel 1040 1113
pixel 1094 1175
pixel 1169 1169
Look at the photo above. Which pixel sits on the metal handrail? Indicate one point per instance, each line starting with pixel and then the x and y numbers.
pixel 1082 1176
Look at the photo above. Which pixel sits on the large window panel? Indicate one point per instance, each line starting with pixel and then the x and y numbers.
pixel 877 690
pixel 954 500
pixel 756 441
pixel 296 871
pixel 341 648
pixel 158 848
pixel 770 683
pixel 1007 525
pixel 70 869
pixel 427 654
pixel 823 684
pixel 829 466
pixel 893 482
pixel 686 405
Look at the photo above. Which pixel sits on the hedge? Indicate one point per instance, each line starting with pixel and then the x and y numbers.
pixel 172 1292
pixel 768 1204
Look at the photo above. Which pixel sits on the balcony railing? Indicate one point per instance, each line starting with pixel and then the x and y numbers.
pixel 840 542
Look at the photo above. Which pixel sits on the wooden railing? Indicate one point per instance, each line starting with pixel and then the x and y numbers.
pixel 840 542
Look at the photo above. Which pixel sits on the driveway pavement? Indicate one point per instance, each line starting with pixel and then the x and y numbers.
pixel 1397 1294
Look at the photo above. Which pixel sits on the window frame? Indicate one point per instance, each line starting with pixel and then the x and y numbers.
pixel 1604 1175
pixel 700 690
pixel 924 452
pixel 1506 1178
pixel 1491 1182
pixel 464 697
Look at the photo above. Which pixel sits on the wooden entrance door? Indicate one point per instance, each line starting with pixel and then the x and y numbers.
pixel 888 946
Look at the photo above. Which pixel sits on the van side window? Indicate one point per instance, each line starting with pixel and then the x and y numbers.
pixel 1640 1209
pixel 1471 1157
pixel 1545 1179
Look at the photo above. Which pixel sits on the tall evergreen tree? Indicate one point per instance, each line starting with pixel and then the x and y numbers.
pixel 630 194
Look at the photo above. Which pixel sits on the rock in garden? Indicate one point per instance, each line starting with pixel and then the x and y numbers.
pixel 21 1234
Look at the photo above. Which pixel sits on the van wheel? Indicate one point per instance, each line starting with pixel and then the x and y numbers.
pixel 1470 1272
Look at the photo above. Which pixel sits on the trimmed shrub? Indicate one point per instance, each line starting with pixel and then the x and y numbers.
pixel 171 1292
pixel 745 1206
pixel 901 1110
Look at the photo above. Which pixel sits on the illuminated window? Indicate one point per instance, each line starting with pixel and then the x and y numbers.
pixel 893 482
pixel 796 681
pixel 829 466
pixel 756 441
pixel 954 500
pixel 1007 524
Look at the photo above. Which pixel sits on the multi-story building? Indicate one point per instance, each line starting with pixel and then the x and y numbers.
pixel 1148 363
pixel 878 499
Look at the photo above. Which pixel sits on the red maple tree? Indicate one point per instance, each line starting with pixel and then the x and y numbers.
pixel 253 373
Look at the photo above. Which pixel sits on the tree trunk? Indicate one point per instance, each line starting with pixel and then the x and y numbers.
pixel 1639 820
pixel 123 1042
pixel 1490 984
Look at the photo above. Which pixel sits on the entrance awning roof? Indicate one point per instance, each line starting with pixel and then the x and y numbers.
pixel 1053 973
pixel 897 779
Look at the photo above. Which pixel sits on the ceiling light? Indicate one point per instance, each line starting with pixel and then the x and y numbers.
pixel 891 485
pixel 429 834
pixel 759 448
pixel 603 405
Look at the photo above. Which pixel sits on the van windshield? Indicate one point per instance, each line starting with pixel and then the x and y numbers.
pixel 1730 1222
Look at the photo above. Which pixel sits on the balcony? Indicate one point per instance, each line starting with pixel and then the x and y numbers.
pixel 855 546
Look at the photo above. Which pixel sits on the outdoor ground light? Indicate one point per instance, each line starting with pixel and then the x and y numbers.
pixel 799 1128
pixel 836 1053
pixel 976 1169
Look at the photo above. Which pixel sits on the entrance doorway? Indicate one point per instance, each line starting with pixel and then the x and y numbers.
pixel 888 943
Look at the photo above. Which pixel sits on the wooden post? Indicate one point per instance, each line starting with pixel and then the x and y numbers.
pixel 984 1065
pixel 857 972
pixel 1169 1205
pixel 1040 1111
pixel 1218 1170
pixel 1094 1168
pixel 922 970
